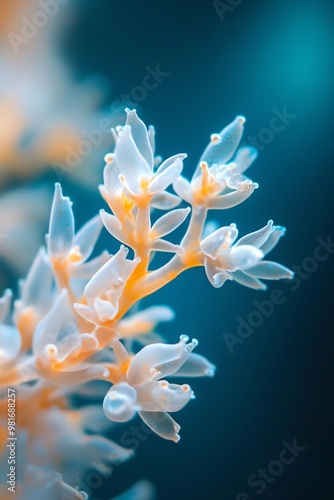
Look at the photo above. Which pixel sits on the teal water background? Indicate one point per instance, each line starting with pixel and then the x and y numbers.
pixel 262 58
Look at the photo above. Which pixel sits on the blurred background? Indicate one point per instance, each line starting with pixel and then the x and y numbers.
pixel 189 68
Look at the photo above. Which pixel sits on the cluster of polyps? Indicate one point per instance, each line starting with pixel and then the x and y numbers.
pixel 74 323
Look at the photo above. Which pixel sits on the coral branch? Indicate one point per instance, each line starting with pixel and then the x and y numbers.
pixel 74 322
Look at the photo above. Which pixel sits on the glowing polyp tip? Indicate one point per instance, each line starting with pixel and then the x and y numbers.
pixel 177 429
pixel 215 138
pixel 117 281
pixel 154 373
pixel 203 165
pixel 185 387
pixel 193 343
pixel 184 338
pixel 124 250
pixel 84 495
pixel 109 158
pixel 209 372
pixel 75 254
pixel 241 119
pixel 51 351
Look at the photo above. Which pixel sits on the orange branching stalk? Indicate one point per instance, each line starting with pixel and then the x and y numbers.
pixel 74 323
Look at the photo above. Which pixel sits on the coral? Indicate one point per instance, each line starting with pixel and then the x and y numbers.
pixel 72 329
pixel 50 123
pixel 43 104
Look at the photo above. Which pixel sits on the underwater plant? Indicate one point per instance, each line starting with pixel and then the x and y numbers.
pixel 43 108
pixel 72 329
pixel 43 104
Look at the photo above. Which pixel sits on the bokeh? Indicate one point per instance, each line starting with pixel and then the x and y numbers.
pixel 189 67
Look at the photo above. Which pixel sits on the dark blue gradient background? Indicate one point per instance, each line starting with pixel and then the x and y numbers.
pixel 277 385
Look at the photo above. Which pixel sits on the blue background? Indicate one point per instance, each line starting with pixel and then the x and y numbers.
pixel 276 385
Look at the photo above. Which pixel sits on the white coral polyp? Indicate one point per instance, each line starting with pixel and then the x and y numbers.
pixel 243 260
pixel 143 390
pixel 103 291
pixel 132 163
pixel 160 395
pixel 217 184
pixel 119 405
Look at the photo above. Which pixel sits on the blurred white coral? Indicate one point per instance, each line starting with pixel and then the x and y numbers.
pixel 49 122
pixel 45 112
pixel 75 321
pixel 23 221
